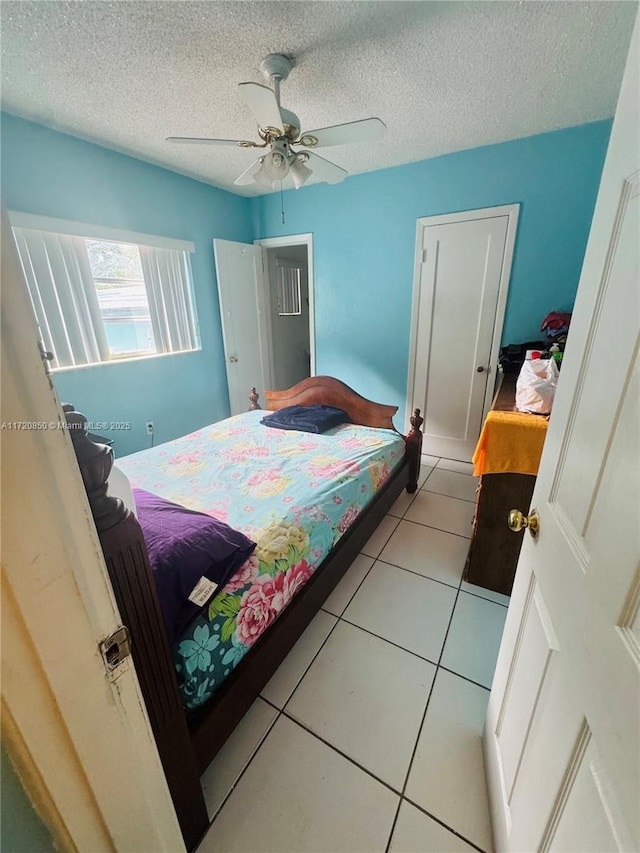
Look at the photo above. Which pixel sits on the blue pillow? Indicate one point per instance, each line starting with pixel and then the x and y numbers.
pixel 315 418
pixel 185 546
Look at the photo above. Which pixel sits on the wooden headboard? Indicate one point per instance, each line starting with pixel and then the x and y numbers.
pixel 333 392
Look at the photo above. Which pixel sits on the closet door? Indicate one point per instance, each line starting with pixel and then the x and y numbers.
pixel 462 272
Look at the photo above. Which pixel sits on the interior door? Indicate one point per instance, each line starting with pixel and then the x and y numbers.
pixel 80 738
pixel 562 738
pixel 463 262
pixel 241 287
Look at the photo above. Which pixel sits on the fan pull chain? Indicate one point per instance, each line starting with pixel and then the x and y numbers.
pixel 281 203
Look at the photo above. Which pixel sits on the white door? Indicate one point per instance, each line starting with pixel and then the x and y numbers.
pixel 241 287
pixel 80 739
pixel 562 738
pixel 463 265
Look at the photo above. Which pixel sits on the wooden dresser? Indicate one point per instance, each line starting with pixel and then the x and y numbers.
pixel 494 550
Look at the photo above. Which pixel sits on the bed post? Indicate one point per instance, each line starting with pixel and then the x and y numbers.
pixel 254 405
pixel 128 565
pixel 414 449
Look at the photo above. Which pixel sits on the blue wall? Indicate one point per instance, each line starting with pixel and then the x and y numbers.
pixel 364 243
pixel 56 175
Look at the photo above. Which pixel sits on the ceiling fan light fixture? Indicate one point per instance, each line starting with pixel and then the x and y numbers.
pixel 279 129
pixel 276 166
pixel 298 171
pixel 262 177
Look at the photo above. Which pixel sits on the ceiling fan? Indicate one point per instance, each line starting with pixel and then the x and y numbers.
pixel 280 130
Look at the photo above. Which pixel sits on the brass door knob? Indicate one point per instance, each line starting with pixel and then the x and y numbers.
pixel 518 521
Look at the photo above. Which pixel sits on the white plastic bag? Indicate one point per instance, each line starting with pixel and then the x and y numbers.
pixel 536 386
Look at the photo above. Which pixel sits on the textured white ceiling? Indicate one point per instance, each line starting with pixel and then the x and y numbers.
pixel 443 76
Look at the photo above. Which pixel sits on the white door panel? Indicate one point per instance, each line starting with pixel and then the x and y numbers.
pixel 239 272
pixel 562 739
pixel 461 272
pixel 81 739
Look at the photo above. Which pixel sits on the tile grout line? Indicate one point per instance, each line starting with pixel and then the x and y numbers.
pixel 435 580
pixel 430 526
pixel 459 535
pixel 438 665
pixel 490 600
pixel 424 577
pixel 366 575
pixel 445 825
pixel 287 715
pixel 385 640
pixel 386 542
pixel 344 755
pixel 368 772
pixel 245 768
pixel 445 669
pixel 463 677
pixel 282 713
pixel 442 468
pixel 408 651
pixel 444 494
pixel 424 716
pixel 441 529
pixel 281 710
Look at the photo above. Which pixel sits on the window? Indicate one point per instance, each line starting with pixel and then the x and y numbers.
pixel 288 289
pixel 122 297
pixel 99 298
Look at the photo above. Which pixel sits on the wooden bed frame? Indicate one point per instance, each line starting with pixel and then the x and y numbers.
pixel 189 740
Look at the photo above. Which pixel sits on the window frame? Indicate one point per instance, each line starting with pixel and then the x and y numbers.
pixel 89 231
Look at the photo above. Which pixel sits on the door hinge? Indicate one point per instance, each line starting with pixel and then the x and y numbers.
pixel 115 648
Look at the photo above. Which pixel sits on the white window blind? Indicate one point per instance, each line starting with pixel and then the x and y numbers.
pixel 289 276
pixel 97 300
pixel 56 267
pixel 166 276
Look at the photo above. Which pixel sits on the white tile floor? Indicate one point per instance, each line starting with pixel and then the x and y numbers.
pixel 367 738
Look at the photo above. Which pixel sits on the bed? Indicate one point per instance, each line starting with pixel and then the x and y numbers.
pixel 309 501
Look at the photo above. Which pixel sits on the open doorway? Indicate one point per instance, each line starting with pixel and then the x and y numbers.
pixel 287 264
pixel 266 308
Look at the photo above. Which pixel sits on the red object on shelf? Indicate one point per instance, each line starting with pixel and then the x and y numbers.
pixel 554 322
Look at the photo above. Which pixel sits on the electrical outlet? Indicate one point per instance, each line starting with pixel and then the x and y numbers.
pixel 150 427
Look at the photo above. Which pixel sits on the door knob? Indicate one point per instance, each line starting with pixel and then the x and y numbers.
pixel 233 359
pixel 480 369
pixel 518 521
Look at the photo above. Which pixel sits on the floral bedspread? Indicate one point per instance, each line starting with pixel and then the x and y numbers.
pixel 293 493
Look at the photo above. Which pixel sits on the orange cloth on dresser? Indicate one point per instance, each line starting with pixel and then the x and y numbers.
pixel 510 442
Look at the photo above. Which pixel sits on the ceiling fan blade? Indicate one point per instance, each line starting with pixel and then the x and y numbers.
pixel 203 140
pixel 262 102
pixel 365 130
pixel 323 169
pixel 248 175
